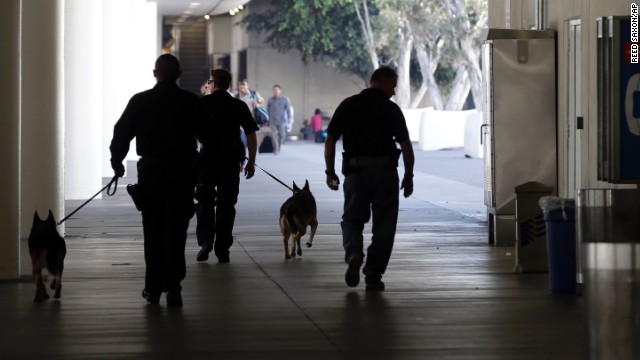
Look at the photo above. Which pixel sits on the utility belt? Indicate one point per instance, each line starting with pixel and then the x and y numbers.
pixel 352 164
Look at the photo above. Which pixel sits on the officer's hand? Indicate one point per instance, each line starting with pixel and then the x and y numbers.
pixel 249 170
pixel 118 170
pixel 407 185
pixel 333 181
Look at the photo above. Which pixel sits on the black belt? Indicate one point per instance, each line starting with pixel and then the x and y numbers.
pixel 371 160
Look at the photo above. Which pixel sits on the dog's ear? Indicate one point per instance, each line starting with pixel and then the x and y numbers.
pixel 36 217
pixel 295 187
pixel 306 185
pixel 50 217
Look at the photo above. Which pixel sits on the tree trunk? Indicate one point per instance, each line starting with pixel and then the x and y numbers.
pixel 403 90
pixel 459 90
pixel 428 66
pixel 469 49
pixel 367 33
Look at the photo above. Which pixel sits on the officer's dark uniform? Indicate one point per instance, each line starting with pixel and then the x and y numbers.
pixel 165 121
pixel 370 125
pixel 220 177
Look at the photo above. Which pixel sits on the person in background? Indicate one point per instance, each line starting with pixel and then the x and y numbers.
pixel 316 125
pixel 205 89
pixel 254 101
pixel 279 115
pixel 306 131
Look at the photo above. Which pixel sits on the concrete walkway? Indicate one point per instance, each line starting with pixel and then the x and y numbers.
pixel 449 294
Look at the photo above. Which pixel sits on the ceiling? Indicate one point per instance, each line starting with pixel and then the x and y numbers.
pixel 196 8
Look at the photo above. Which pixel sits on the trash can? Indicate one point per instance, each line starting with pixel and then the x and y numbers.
pixel 559 217
pixel 531 237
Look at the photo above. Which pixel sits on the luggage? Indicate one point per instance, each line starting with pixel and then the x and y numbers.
pixel 266 146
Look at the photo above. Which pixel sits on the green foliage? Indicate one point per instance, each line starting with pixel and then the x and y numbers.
pixel 324 30
pixel 329 31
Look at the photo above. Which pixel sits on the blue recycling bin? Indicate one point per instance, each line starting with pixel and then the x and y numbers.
pixel 561 244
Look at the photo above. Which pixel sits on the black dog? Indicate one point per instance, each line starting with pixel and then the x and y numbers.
pixel 47 249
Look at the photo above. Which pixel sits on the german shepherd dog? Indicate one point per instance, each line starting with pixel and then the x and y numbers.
pixel 47 249
pixel 298 212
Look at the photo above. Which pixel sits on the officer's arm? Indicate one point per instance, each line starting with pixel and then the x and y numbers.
pixel 408 159
pixel 330 161
pixel 252 144
pixel 123 133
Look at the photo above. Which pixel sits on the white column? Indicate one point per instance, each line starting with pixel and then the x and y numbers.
pixel 42 110
pixel 83 98
pixel 117 46
pixel 10 140
pixel 130 50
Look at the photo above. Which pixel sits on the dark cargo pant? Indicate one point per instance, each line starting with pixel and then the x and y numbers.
pixel 371 191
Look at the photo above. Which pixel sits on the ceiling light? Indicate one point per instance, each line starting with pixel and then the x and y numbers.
pixel 232 12
pixel 240 7
pixel 207 17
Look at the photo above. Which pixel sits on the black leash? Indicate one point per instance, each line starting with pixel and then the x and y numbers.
pixel 109 192
pixel 274 178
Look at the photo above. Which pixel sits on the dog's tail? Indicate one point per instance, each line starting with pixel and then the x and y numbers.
pixel 288 213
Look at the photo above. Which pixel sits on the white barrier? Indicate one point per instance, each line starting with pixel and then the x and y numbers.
pixel 472 146
pixel 435 130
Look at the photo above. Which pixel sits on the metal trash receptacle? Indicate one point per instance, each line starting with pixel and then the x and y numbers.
pixel 531 238
pixel 559 218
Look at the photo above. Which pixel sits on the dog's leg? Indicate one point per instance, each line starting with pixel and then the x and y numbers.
pixel 286 246
pixel 57 284
pixel 294 241
pixel 284 230
pixel 41 291
pixel 314 225
pixel 300 235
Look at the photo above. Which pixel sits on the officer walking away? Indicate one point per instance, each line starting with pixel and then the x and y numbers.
pixel 165 121
pixel 370 125
pixel 217 192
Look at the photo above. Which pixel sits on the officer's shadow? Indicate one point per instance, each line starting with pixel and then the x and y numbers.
pixel 368 325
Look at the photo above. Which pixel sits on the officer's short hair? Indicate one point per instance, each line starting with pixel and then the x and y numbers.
pixel 168 65
pixel 221 78
pixel 383 73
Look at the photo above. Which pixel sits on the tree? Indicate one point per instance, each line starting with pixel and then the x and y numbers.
pixel 304 25
pixel 436 36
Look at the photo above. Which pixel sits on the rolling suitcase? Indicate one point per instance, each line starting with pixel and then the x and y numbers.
pixel 266 146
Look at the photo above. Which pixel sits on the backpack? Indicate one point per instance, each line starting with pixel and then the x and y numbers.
pixel 260 114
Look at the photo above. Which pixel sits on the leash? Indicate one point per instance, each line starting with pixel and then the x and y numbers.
pixel 274 178
pixel 109 192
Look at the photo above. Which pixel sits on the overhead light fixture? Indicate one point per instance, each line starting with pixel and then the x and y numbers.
pixel 240 7
pixel 207 17
pixel 232 12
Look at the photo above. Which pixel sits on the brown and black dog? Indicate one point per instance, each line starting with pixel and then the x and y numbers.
pixel 298 212
pixel 47 249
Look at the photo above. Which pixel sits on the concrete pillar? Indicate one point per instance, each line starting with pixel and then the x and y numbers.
pixel 130 50
pixel 83 98
pixel 117 17
pixel 10 140
pixel 42 147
